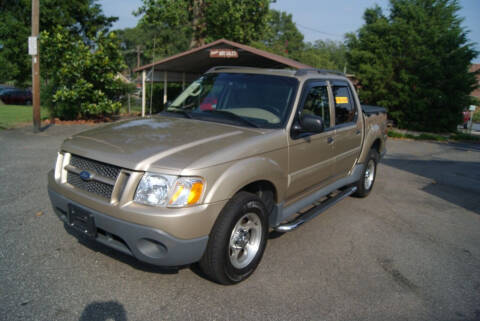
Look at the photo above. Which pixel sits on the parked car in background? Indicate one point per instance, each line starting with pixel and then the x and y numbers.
pixel 15 96
pixel 4 88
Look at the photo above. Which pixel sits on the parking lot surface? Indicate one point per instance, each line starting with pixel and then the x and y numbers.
pixel 409 251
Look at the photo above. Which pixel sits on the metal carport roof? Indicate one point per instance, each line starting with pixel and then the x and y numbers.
pixel 189 65
pixel 197 60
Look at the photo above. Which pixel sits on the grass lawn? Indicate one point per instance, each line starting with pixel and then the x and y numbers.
pixel 11 115
pixel 14 115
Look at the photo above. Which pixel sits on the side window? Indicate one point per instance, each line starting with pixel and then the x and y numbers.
pixel 345 110
pixel 316 103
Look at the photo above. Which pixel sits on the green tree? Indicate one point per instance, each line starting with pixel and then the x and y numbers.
pixel 130 41
pixel 281 36
pixel 238 20
pixel 142 38
pixel 325 54
pixel 81 74
pixel 81 17
pixel 202 21
pixel 415 62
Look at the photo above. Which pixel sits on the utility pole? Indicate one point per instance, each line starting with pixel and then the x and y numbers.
pixel 34 52
pixel 138 56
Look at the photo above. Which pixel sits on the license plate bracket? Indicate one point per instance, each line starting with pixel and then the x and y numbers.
pixel 82 221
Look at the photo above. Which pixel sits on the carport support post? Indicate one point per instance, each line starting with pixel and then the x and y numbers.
pixel 183 81
pixel 164 89
pixel 144 98
pixel 36 68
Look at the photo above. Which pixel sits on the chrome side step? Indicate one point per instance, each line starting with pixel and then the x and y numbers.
pixel 314 211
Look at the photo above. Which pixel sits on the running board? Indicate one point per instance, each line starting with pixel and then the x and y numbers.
pixel 314 211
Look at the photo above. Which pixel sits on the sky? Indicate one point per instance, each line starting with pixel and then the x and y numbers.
pixel 316 19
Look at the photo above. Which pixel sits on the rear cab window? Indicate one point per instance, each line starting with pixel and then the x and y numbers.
pixel 345 108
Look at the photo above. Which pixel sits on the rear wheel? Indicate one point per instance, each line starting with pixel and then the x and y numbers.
pixel 237 240
pixel 365 184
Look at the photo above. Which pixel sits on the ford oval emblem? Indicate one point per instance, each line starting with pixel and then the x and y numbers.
pixel 86 176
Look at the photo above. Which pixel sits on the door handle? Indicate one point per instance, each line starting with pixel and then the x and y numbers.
pixel 330 140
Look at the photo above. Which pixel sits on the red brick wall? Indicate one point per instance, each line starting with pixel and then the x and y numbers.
pixel 476 92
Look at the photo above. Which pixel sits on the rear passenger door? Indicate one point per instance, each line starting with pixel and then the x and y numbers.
pixel 311 155
pixel 348 128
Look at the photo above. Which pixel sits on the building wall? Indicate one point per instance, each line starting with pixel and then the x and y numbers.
pixel 476 92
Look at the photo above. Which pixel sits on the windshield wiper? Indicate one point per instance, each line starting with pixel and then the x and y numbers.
pixel 233 117
pixel 180 111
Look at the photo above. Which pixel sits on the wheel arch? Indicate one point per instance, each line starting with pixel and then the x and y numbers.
pixel 377 144
pixel 252 175
pixel 373 140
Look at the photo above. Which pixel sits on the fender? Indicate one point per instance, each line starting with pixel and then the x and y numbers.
pixel 244 172
pixel 373 132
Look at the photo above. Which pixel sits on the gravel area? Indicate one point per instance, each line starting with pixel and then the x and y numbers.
pixel 409 251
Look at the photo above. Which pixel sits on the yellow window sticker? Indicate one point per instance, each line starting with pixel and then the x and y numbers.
pixel 341 100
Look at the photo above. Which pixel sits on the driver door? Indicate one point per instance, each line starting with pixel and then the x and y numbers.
pixel 311 155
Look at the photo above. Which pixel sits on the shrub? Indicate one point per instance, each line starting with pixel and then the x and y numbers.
pixel 80 75
pixel 476 116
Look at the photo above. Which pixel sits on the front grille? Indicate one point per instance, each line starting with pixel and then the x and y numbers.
pixel 99 168
pixel 94 187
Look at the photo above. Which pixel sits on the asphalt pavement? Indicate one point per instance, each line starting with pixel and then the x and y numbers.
pixel 409 251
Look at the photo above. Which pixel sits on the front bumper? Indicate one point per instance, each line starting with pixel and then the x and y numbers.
pixel 144 243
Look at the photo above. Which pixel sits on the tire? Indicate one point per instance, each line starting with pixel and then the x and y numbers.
pixel 237 241
pixel 365 184
pixel 28 102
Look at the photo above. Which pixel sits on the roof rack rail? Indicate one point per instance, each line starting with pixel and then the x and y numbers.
pixel 227 67
pixel 301 72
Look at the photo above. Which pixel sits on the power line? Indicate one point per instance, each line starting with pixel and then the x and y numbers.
pixel 318 31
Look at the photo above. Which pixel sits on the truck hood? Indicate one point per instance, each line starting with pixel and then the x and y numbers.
pixel 158 142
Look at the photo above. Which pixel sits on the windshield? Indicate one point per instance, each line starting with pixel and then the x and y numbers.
pixel 243 99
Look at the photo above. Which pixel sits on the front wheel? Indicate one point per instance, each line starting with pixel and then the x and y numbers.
pixel 237 240
pixel 365 184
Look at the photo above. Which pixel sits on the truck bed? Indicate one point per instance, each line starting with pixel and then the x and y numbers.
pixel 373 110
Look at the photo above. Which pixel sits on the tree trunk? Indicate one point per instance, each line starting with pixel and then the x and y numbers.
pixel 198 24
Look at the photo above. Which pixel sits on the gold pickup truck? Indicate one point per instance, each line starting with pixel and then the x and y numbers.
pixel 241 152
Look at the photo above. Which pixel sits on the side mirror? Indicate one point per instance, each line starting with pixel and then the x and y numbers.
pixel 311 123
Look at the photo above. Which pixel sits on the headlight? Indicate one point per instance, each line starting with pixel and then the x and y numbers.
pixel 167 190
pixel 187 191
pixel 154 189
